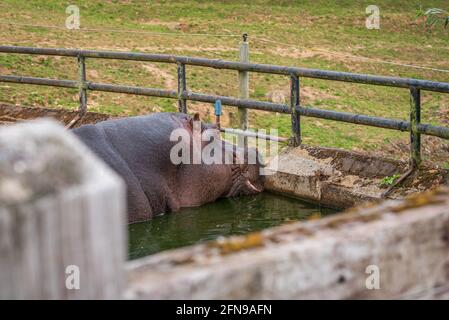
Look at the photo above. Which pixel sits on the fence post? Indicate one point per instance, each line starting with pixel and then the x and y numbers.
pixel 295 139
pixel 82 85
pixel 415 119
pixel 62 217
pixel 243 88
pixel 182 86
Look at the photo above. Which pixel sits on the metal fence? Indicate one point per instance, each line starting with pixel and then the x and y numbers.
pixel 414 126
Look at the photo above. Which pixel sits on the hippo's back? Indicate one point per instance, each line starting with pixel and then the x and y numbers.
pixel 138 149
pixel 137 139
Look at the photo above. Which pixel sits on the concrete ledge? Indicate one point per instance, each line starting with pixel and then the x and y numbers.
pixel 343 179
pixel 408 240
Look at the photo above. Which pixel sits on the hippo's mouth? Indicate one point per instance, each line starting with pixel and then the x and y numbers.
pixel 252 187
pixel 246 188
pixel 242 184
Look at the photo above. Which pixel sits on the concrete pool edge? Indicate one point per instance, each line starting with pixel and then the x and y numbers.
pixel 407 240
pixel 342 179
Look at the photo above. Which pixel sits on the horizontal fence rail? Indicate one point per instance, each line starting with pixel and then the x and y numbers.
pixel 254 134
pixel 379 122
pixel 239 66
pixel 296 109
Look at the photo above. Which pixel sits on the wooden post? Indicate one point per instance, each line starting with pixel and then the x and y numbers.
pixel 243 88
pixel 62 217
pixel 415 119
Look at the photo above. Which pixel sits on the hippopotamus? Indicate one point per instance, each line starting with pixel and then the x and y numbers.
pixel 143 152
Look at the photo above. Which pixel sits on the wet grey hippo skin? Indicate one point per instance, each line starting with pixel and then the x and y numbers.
pixel 138 149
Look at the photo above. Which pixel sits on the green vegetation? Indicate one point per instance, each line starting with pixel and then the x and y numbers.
pixel 313 34
pixel 388 181
pixel 434 16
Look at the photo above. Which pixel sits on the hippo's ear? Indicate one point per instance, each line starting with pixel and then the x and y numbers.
pixel 196 117
pixel 195 122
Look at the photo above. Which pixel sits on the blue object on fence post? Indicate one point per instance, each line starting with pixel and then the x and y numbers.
pixel 218 113
pixel 218 107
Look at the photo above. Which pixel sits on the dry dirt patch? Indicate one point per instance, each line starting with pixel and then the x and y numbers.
pixel 308 95
pixel 169 80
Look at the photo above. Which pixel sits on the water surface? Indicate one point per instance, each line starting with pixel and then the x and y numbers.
pixel 222 218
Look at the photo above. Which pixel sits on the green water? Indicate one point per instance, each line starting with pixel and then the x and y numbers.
pixel 224 217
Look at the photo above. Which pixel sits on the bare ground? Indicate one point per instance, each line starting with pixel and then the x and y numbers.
pixel 10 114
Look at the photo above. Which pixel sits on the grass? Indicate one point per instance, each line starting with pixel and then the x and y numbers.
pixel 305 28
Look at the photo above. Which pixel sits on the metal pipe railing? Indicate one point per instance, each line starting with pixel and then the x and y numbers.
pixel 182 87
pixel 379 122
pixel 253 134
pixel 295 115
pixel 295 108
pixel 415 119
pixel 151 92
pixel 82 84
pixel 240 66
pixel 40 81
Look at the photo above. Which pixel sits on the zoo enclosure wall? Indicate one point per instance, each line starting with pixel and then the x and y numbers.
pixel 414 126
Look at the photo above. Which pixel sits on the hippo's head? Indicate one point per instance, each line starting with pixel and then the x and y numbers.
pixel 246 177
pixel 226 170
